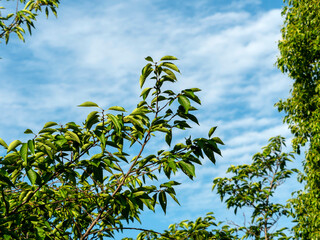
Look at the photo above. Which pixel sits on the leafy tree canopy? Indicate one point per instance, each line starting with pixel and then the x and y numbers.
pixel 78 181
pixel 300 56
pixel 24 17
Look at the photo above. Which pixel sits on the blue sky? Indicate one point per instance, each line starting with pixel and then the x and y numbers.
pixel 94 51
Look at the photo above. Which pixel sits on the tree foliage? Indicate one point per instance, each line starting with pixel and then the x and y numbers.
pixel 24 17
pixel 78 181
pixel 250 185
pixel 300 56
pixel 254 186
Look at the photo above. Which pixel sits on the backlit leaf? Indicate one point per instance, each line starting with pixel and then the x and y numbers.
pixel 13 145
pixel 184 102
pixel 170 65
pixel 211 131
pixel 32 175
pixel 88 104
pixel 3 143
pixel 49 124
pixel 24 151
pixel 73 136
pixel 117 108
pixel 188 168
pixel 115 121
pixel 168 58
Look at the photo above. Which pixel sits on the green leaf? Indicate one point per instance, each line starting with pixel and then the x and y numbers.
pixel 218 140
pixel 161 129
pixel 117 108
pixel 73 136
pixel 168 58
pixel 3 143
pixel 13 145
pixel 192 96
pixel 32 175
pixel 137 123
pixel 145 73
pixel 211 131
pixel 184 102
pixel 145 93
pixel 139 111
pixel 188 168
pixel 163 201
pixel 115 121
pixel 169 137
pixel 49 124
pixel 88 104
pixel 170 73
pixel 31 146
pixel 170 65
pixel 24 151
pixel 195 89
pixel 149 59
pixel 209 154
pixel 28 131
pixel 92 119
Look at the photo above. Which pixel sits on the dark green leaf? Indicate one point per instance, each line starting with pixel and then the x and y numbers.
pixel 5 181
pixel 28 131
pixel 163 201
pixel 149 59
pixel 169 137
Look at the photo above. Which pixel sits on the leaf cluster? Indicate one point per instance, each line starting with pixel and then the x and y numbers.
pixel 80 181
pixel 254 186
pixel 25 17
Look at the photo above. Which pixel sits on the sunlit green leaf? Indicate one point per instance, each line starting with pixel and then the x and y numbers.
pixel 50 124
pixel 170 65
pixel 13 145
pixel 32 175
pixel 3 143
pixel 115 121
pixel 24 151
pixel 72 136
pixel 117 108
pixel 211 131
pixel 88 104
pixel 168 58
pixel 184 102
pixel 188 168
